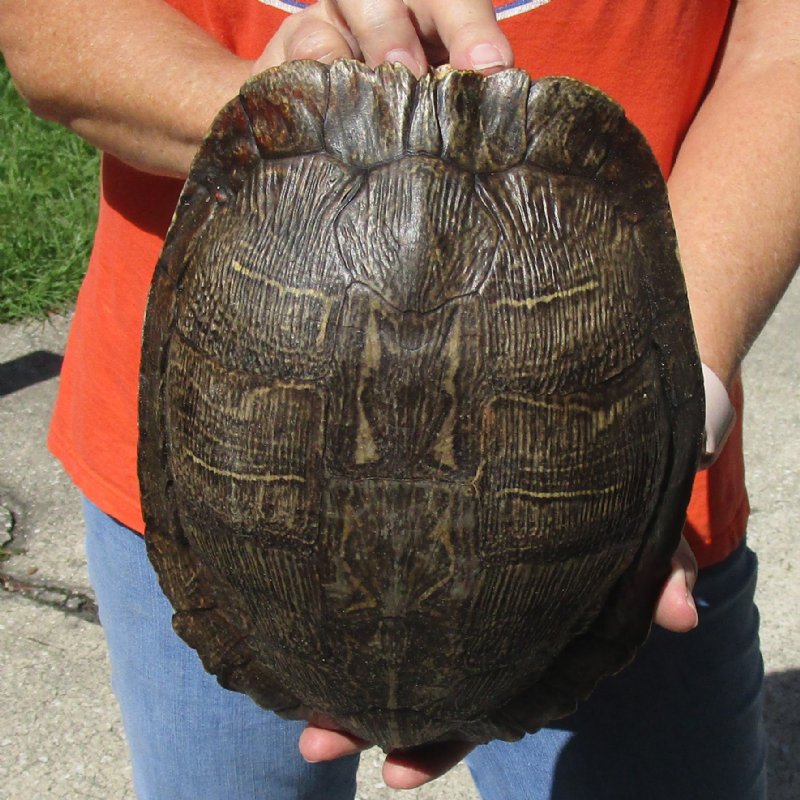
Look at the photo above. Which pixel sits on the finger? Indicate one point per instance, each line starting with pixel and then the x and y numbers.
pixel 676 609
pixel 468 31
pixel 306 35
pixel 384 31
pixel 407 769
pixel 323 744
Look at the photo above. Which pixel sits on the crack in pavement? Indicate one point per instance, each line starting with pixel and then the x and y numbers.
pixel 70 601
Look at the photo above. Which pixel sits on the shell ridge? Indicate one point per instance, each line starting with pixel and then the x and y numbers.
pixel 250 127
pixel 325 143
pixel 410 107
pixel 424 133
pixel 432 310
pixel 487 200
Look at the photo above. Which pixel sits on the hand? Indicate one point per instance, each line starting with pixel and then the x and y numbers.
pixel 408 769
pixel 402 769
pixel 418 33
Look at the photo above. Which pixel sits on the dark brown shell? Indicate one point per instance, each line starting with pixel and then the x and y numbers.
pixel 420 402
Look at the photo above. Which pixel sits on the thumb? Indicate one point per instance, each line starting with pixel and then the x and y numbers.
pixel 676 610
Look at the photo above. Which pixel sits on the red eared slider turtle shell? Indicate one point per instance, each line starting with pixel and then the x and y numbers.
pixel 420 401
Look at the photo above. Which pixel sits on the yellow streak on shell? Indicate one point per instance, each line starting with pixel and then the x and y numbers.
pixel 530 302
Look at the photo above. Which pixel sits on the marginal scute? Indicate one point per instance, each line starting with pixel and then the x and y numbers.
pixel 369 112
pixel 482 120
pixel 228 152
pixel 286 106
pixel 420 404
pixel 570 126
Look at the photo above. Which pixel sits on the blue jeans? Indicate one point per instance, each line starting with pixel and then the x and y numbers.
pixel 683 723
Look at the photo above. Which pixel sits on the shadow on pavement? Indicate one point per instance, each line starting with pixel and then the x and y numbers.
pixel 617 763
pixel 782 717
pixel 40 365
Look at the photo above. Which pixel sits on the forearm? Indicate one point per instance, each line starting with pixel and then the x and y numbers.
pixel 735 188
pixel 134 77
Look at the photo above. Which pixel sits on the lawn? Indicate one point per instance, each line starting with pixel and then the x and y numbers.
pixel 48 209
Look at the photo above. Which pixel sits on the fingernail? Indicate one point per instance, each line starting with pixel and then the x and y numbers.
pixel 486 56
pixel 327 58
pixel 406 59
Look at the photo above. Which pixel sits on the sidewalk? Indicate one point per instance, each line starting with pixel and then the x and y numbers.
pixel 60 734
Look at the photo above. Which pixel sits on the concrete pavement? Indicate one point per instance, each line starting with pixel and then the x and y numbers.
pixel 60 734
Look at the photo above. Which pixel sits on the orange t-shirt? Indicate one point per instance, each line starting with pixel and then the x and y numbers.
pixel 655 57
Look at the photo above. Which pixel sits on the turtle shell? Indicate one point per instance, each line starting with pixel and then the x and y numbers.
pixel 420 401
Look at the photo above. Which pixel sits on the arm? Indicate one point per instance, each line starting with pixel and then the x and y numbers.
pixel 133 77
pixel 139 80
pixel 735 188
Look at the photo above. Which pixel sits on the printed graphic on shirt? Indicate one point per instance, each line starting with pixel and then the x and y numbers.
pixel 503 8
pixel 287 5
pixel 509 8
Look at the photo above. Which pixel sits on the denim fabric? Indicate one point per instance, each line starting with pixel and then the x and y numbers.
pixel 683 723
pixel 188 738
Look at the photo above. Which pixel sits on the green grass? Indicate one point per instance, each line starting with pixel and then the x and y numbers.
pixel 48 209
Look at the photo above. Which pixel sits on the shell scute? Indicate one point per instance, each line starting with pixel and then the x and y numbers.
pixel 571 127
pixel 369 113
pixel 568 281
pixel 418 234
pixel 286 108
pixel 270 247
pixel 482 120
